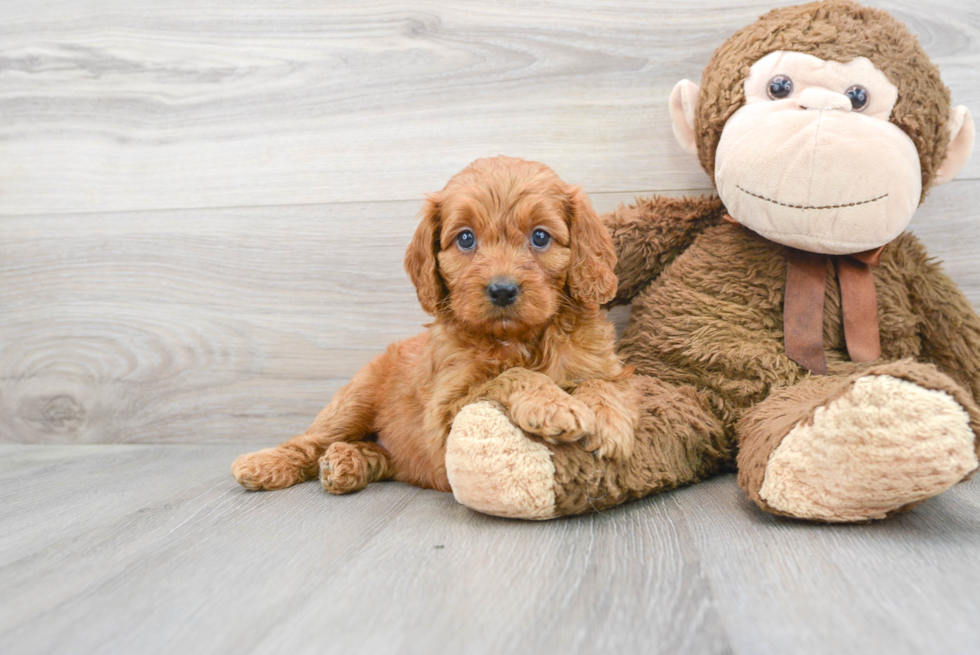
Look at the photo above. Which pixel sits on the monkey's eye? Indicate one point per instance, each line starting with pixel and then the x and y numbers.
pixel 858 96
pixel 780 87
pixel 466 240
pixel 540 238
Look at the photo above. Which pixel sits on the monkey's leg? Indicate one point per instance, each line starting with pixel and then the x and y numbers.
pixel 348 417
pixel 347 467
pixel 494 468
pixel 858 447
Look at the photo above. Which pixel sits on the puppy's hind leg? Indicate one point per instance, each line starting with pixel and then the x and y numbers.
pixel 348 417
pixel 347 467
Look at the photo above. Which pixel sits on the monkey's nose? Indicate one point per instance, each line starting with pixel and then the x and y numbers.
pixel 813 98
pixel 503 291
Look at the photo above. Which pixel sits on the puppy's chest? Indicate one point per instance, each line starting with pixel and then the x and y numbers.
pixel 481 366
pixel 485 365
pixel 507 354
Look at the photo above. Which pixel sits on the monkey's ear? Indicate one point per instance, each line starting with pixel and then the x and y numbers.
pixel 591 279
pixel 420 258
pixel 961 136
pixel 683 103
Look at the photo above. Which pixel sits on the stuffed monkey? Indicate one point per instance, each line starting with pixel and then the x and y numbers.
pixel 788 327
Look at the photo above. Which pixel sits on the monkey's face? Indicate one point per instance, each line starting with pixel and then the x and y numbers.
pixel 811 160
pixel 829 148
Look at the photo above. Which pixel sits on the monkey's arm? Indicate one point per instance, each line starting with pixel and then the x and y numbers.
pixel 949 326
pixel 651 233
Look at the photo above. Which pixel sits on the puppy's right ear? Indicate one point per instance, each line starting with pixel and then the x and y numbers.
pixel 420 258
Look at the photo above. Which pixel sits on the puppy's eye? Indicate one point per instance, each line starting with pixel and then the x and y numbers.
pixel 859 97
pixel 465 240
pixel 780 87
pixel 540 238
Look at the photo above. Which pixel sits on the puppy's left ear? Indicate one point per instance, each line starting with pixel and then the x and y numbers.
pixel 420 258
pixel 591 279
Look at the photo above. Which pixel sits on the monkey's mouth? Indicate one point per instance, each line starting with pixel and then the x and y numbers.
pixel 786 204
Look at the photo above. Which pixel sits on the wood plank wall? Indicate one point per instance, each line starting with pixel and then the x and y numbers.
pixel 203 207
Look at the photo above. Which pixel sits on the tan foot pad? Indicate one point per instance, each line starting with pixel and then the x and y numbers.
pixel 495 469
pixel 882 445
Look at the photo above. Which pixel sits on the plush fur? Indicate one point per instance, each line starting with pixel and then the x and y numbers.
pixel 706 332
pixel 715 382
pixel 837 30
pixel 547 359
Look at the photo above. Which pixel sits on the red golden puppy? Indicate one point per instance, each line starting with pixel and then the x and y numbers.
pixel 513 264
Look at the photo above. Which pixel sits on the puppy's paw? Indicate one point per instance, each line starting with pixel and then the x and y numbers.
pixel 343 469
pixel 614 435
pixel 553 415
pixel 267 469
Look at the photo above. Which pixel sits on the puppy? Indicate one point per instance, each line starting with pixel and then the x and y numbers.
pixel 513 264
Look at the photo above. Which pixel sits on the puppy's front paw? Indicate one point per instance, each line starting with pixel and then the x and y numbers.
pixel 553 415
pixel 266 469
pixel 614 435
pixel 343 469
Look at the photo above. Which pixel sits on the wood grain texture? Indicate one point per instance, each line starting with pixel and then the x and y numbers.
pixel 131 327
pixel 118 106
pixel 200 325
pixel 907 585
pixel 237 324
pixel 155 549
pixel 237 318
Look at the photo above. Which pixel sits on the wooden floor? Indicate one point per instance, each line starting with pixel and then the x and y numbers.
pixel 154 549
pixel 203 209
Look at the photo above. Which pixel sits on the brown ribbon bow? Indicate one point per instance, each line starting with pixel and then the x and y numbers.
pixel 806 281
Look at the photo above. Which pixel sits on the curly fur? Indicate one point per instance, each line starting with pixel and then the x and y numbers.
pixel 548 358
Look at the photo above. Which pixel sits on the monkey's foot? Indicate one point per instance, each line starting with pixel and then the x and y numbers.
pixel 882 445
pixel 494 468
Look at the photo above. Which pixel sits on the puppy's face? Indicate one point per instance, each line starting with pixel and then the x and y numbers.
pixel 504 252
pixel 506 242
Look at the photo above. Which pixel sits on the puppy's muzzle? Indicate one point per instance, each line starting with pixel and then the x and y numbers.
pixel 503 291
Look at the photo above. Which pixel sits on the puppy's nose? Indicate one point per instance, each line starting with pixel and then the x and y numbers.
pixel 503 291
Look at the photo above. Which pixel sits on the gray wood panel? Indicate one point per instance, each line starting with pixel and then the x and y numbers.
pixel 237 324
pixel 904 585
pixel 195 325
pixel 133 327
pixel 155 549
pixel 115 106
